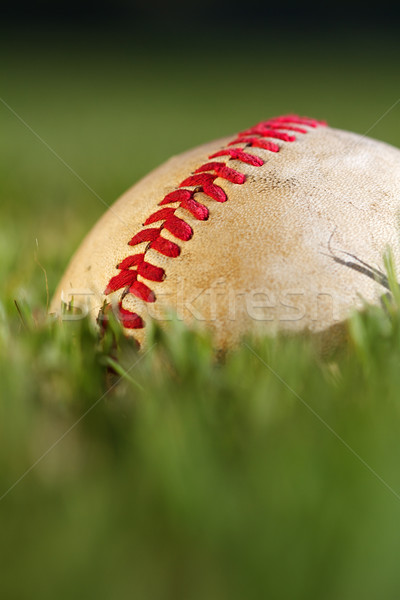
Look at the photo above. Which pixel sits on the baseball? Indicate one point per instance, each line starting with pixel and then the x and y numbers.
pixel 279 228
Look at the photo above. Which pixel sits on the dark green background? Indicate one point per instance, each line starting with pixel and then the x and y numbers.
pixel 115 105
pixel 222 485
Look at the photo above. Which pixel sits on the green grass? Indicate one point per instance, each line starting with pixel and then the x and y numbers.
pixel 270 473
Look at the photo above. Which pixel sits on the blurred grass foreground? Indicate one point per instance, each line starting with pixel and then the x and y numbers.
pixel 271 473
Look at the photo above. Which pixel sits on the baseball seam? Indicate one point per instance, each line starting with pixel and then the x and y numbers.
pixel 201 180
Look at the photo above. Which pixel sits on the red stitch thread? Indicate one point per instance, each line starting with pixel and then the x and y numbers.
pixel 131 261
pixel 257 143
pixel 165 247
pixel 179 228
pixel 130 320
pixel 143 292
pixel 264 130
pixel 147 235
pixel 124 279
pixel 273 125
pixel 151 272
pixel 223 171
pixel 177 196
pixel 160 215
pixel 199 211
pixel 237 154
pixel 215 192
pixel 202 180
pixel 298 120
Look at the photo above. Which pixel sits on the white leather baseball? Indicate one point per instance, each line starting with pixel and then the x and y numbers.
pixel 282 228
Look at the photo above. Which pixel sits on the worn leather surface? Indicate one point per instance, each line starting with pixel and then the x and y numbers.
pixel 293 248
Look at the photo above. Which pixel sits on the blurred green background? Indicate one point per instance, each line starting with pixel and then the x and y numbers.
pixel 216 483
pixel 113 107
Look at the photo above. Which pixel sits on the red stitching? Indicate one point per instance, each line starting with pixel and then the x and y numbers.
pixel 131 261
pixel 146 235
pixel 165 247
pixel 122 280
pixel 143 292
pixel 177 196
pixel 160 215
pixel 129 320
pixel 298 120
pixel 257 143
pixel 238 154
pixel 179 228
pixel 223 171
pixel 199 211
pixel 264 130
pixel 201 180
pixel 151 272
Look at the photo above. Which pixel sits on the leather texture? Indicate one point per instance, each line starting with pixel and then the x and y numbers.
pixel 295 248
